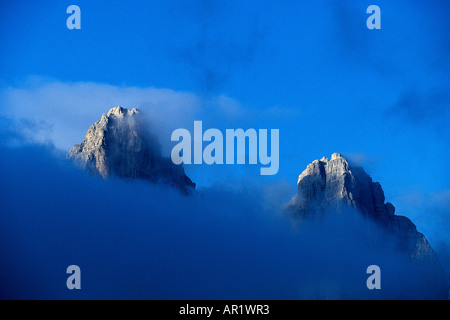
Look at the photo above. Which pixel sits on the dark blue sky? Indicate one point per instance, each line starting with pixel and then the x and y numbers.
pixel 311 69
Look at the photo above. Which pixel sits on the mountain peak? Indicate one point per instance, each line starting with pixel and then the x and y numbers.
pixel 336 156
pixel 122 112
pixel 335 185
pixel 120 144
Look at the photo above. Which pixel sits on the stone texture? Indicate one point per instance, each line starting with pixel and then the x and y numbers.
pixel 335 185
pixel 119 144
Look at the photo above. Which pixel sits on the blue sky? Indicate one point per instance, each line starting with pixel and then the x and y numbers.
pixel 308 68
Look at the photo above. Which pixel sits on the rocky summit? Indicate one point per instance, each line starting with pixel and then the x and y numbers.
pixel 119 144
pixel 333 185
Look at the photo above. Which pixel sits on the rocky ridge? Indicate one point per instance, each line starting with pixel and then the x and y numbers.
pixel 333 185
pixel 119 144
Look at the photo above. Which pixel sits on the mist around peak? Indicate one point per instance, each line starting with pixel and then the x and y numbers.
pixel 121 144
pixel 134 240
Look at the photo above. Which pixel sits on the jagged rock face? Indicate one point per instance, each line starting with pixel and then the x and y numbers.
pixel 119 145
pixel 335 184
pixel 332 184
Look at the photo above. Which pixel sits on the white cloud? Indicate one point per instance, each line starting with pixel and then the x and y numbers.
pixel 61 112
pixel 68 109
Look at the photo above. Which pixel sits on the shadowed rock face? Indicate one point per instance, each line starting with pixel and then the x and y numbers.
pixel 332 184
pixel 119 145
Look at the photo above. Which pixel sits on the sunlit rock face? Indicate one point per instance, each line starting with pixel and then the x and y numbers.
pixel 333 185
pixel 120 145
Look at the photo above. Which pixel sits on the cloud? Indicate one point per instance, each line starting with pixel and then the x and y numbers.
pixel 144 241
pixel 359 159
pixel 358 46
pixel 430 211
pixel 421 107
pixel 409 46
pixel 48 110
pixel 215 46
pixel 425 108
pixel 67 109
pixel 59 113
